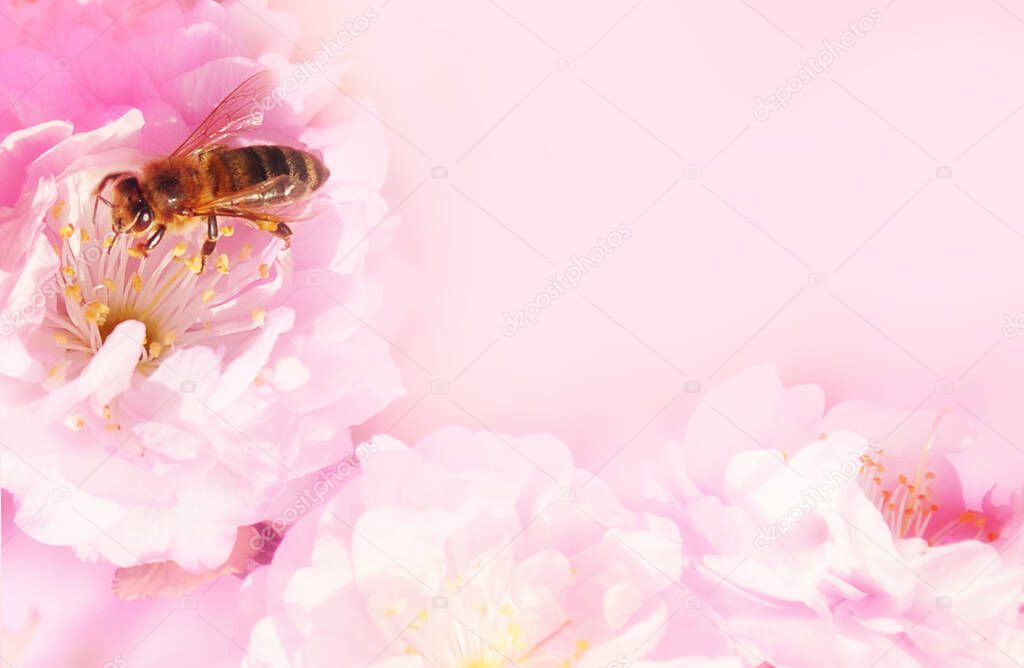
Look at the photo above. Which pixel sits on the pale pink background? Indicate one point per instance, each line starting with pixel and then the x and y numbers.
pixel 921 271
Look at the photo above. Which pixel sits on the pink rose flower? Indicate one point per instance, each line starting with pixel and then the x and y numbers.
pixel 151 411
pixel 468 550
pixel 858 537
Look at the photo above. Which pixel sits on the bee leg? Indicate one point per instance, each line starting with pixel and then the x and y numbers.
pixel 212 234
pixel 284 232
pixel 151 242
pixel 155 238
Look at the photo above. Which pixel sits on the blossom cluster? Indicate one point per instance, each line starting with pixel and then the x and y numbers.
pixel 782 535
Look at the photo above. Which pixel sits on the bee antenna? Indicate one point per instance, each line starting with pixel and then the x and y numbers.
pixel 113 241
pixel 96 206
pixel 115 176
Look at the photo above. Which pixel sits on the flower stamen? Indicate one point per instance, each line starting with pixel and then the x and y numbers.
pixel 909 507
pixel 104 280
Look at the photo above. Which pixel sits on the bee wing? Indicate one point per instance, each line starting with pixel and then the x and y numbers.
pixel 238 112
pixel 255 218
pixel 253 204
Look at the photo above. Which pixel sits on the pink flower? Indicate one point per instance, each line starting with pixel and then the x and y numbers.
pixel 850 539
pixel 468 550
pixel 90 62
pixel 151 411
pixel 59 611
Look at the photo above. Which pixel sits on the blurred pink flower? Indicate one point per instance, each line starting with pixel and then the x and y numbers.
pixel 59 611
pixel 468 550
pixel 90 62
pixel 847 539
pixel 149 411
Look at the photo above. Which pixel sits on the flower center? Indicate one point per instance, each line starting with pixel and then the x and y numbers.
pixel 479 627
pixel 103 282
pixel 907 500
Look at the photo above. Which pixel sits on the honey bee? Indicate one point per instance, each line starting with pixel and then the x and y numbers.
pixel 204 179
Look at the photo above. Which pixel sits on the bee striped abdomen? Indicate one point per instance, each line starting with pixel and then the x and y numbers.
pixel 240 169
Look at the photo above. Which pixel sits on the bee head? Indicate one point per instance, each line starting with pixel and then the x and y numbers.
pixel 130 213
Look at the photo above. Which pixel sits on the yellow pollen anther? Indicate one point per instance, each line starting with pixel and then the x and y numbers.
pixel 107 413
pixel 57 209
pixel 83 235
pixel 136 281
pixel 108 283
pixel 222 263
pixel 69 271
pixel 246 252
pixel 73 292
pixel 96 312
pixel 194 264
pixel 179 249
pixel 60 338
pixel 207 295
pixel 259 316
pixel 903 479
pixel 227 231
pixel 113 427
pixel 66 231
pixel 155 349
pixel 108 242
pixel 136 253
pixel 264 270
pixel 55 370
pixel 169 338
pixel 74 422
